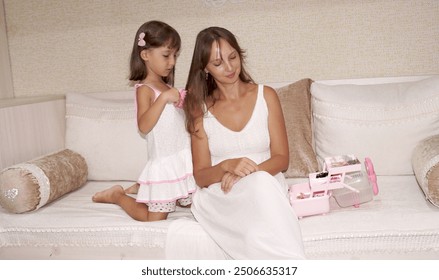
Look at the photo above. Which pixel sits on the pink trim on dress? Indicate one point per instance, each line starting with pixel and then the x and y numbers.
pixel 167 200
pixel 165 181
pixel 156 91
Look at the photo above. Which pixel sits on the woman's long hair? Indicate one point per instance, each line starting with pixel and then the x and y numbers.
pixel 200 85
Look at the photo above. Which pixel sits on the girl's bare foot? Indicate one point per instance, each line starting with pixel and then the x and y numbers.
pixel 109 195
pixel 183 206
pixel 134 189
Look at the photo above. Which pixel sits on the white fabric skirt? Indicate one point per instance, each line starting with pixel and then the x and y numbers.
pixel 253 221
pixel 167 179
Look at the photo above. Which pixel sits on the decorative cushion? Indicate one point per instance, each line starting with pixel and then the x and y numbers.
pixel 296 106
pixel 102 127
pixel 383 121
pixel 425 163
pixel 28 186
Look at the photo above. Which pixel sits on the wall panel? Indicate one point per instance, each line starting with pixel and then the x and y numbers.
pixel 83 46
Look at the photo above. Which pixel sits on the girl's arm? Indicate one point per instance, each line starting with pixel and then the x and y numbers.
pixel 279 159
pixel 148 110
pixel 204 173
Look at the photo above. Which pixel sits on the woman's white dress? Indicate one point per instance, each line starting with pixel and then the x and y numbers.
pixel 254 220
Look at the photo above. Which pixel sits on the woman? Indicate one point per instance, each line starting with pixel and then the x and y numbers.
pixel 239 149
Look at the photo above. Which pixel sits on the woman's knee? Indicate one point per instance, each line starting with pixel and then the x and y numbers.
pixel 263 176
pixel 262 181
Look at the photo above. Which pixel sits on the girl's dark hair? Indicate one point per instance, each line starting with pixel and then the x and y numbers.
pixel 157 34
pixel 201 85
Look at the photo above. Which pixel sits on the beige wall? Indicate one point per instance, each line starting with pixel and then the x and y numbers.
pixel 6 90
pixel 83 46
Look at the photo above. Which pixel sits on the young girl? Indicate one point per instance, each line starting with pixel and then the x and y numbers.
pixel 167 177
pixel 240 148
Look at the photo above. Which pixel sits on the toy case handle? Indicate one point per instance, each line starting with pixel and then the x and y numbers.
pixel 371 174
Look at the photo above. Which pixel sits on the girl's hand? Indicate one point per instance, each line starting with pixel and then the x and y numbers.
pixel 240 166
pixel 172 95
pixel 228 181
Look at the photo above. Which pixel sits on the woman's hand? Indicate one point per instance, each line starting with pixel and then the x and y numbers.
pixel 228 181
pixel 240 166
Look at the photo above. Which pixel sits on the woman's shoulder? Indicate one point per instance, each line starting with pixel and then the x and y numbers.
pixel 260 87
pixel 270 95
pixel 269 90
pixel 261 90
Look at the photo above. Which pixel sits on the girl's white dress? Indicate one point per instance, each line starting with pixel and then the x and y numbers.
pixel 255 219
pixel 167 176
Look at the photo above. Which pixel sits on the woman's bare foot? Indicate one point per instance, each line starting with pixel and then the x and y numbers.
pixel 134 189
pixel 109 195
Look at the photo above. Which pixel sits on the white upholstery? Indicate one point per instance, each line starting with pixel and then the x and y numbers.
pixel 102 128
pixel 398 223
pixel 383 122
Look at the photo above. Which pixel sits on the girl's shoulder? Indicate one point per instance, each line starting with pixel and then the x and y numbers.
pixel 136 86
pixel 156 88
pixel 144 86
pixel 145 91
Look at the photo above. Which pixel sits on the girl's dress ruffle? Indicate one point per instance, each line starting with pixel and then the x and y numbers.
pixel 167 179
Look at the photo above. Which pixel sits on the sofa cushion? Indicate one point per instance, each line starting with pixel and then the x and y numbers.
pixel 382 121
pixel 102 127
pixel 28 186
pixel 425 162
pixel 296 107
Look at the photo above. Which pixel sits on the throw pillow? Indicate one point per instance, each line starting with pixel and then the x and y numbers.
pixel 28 186
pixel 295 100
pixel 382 121
pixel 425 163
pixel 102 127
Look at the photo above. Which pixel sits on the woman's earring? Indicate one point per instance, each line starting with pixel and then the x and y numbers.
pixel 207 75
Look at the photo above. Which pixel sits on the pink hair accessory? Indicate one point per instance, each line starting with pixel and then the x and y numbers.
pixel 180 102
pixel 141 42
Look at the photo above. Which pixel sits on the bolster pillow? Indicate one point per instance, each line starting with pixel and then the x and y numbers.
pixel 30 185
pixel 425 163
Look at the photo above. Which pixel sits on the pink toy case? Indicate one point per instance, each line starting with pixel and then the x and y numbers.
pixel 364 181
pixel 340 174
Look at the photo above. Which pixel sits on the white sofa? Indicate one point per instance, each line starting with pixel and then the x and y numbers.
pixel 400 223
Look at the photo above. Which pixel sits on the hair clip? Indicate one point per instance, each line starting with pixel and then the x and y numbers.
pixel 141 42
pixel 182 93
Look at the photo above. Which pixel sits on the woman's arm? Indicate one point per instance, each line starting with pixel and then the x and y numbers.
pixel 204 173
pixel 279 159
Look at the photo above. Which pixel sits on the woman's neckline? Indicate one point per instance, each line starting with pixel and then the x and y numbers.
pixel 247 123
